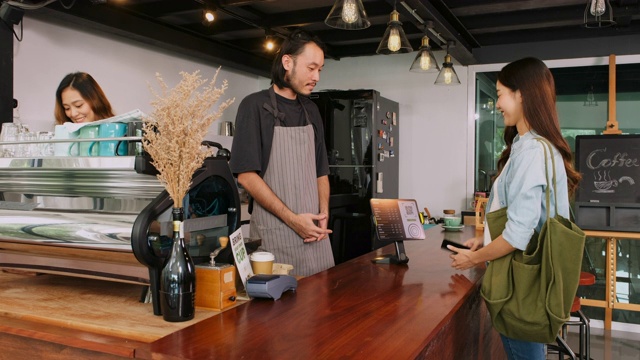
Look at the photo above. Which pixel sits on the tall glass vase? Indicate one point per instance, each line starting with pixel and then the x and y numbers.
pixel 178 278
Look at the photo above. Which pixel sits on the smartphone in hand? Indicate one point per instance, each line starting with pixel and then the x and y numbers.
pixel 446 242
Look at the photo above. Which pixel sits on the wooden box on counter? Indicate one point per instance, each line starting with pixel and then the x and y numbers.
pixel 215 286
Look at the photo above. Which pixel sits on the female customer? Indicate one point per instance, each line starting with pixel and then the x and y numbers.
pixel 80 99
pixel 527 101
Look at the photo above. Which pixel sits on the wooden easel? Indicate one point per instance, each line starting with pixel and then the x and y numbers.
pixel 612 123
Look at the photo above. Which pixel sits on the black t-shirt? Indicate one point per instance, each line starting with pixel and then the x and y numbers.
pixel 254 132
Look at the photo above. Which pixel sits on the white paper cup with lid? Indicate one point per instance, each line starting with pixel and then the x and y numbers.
pixel 262 262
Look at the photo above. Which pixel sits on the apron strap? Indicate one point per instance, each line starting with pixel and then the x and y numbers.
pixel 279 116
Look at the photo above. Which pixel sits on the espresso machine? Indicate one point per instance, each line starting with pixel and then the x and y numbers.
pixel 109 217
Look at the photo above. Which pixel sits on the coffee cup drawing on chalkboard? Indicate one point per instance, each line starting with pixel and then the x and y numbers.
pixel 604 183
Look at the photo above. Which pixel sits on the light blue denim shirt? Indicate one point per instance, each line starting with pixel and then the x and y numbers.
pixel 522 185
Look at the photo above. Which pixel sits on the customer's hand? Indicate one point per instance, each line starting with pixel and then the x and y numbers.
pixel 475 243
pixel 462 260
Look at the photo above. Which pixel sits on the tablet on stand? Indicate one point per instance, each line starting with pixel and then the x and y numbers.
pixel 396 220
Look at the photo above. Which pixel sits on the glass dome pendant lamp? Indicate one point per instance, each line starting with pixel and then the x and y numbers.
pixel 447 75
pixel 394 40
pixel 348 15
pixel 598 14
pixel 425 61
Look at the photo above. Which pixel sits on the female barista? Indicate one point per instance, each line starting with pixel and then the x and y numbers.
pixel 80 99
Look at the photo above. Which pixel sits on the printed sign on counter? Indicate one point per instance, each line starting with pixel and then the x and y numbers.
pixel 240 256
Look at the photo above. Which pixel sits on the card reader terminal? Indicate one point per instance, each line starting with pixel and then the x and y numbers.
pixel 270 286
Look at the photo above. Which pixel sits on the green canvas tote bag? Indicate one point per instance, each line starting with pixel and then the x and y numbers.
pixel 529 293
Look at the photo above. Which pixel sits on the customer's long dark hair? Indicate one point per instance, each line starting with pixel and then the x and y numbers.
pixel 535 82
pixel 293 45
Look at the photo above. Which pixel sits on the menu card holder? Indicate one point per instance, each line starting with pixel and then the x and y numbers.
pixel 396 220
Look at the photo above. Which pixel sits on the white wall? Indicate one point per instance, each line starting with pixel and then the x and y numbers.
pixel 432 124
pixel 123 68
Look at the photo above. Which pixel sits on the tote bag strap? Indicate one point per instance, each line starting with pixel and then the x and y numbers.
pixel 553 178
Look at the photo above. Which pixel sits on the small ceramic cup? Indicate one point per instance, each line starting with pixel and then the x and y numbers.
pixel 452 221
pixel 112 148
pixel 61 132
pixel 85 148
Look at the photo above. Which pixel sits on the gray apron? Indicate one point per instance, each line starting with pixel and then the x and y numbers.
pixel 291 175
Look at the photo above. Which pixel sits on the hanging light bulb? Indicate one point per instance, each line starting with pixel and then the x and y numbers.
pixel 448 74
pixel 425 61
pixel 208 16
pixel 269 45
pixel 348 15
pixel 350 11
pixel 394 40
pixel 598 7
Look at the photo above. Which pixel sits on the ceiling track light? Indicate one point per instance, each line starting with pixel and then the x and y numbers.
pixel 394 40
pixel 447 75
pixel 348 15
pixel 427 23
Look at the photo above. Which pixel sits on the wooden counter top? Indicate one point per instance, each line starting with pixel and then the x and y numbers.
pixel 356 310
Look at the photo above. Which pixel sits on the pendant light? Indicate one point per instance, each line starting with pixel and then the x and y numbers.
pixel 425 61
pixel 270 40
pixel 348 15
pixel 598 14
pixel 394 40
pixel 591 99
pixel 448 74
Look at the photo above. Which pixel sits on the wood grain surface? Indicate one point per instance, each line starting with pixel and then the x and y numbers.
pixel 356 310
pixel 95 306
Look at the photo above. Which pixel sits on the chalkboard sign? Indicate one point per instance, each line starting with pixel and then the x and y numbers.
pixel 609 194
pixel 610 167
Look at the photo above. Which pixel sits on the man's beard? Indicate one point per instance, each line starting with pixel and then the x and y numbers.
pixel 287 82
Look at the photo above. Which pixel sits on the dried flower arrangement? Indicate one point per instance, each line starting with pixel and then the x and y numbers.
pixel 174 130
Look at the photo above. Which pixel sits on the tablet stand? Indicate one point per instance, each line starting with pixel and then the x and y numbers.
pixel 400 257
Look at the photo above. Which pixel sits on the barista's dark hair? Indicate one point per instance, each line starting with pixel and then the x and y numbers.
pixel 293 45
pixel 537 87
pixel 90 91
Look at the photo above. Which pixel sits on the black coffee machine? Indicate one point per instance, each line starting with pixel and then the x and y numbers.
pixel 212 209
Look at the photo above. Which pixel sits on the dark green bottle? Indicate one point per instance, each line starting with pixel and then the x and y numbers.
pixel 178 278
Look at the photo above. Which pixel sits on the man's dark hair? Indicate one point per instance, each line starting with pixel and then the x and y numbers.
pixel 293 45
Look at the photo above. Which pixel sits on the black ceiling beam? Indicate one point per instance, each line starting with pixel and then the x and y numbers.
pixel 448 26
pixel 116 22
pixel 560 33
pixel 474 7
pixel 524 19
pixel 156 9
